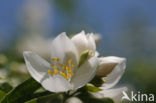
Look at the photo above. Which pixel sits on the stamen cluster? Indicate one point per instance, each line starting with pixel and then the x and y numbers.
pixel 65 70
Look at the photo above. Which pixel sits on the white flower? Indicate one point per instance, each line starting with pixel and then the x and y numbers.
pixel 73 100
pixel 113 68
pixel 63 73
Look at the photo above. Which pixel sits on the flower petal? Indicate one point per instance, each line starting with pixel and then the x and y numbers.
pixel 115 75
pixel 85 73
pixel 73 100
pixel 55 83
pixel 97 54
pixel 64 49
pixel 91 42
pixel 84 42
pixel 80 42
pixel 36 66
pixel 114 93
pixel 97 38
pixel 105 67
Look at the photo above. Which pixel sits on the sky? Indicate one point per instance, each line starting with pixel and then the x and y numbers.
pixel 107 17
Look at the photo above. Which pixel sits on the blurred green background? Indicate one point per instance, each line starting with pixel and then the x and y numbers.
pixel 127 28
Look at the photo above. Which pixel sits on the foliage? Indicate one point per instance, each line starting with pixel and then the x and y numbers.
pixel 22 92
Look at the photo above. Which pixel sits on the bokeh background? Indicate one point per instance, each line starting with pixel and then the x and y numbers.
pixel 127 29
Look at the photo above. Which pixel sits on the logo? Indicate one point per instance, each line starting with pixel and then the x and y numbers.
pixel 137 97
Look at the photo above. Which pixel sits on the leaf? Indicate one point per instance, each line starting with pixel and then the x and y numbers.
pixel 97 81
pixel 32 101
pixel 6 87
pixel 52 98
pixel 40 94
pixel 2 94
pixel 92 88
pixel 104 100
pixel 87 98
pixel 22 92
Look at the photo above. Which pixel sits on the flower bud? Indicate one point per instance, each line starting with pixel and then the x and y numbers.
pixel 107 64
pixel 73 100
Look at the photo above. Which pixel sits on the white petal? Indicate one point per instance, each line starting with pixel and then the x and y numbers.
pixel 80 42
pixel 55 83
pixel 85 73
pixel 64 49
pixel 113 78
pixel 36 66
pixel 73 100
pixel 114 93
pixel 97 54
pixel 97 38
pixel 91 42
pixel 84 42
pixel 105 67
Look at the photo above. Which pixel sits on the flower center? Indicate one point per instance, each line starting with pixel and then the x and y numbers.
pixel 64 70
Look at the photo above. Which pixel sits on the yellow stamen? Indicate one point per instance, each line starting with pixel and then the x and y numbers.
pixel 52 73
pixel 53 66
pixel 64 70
pixel 72 66
pixel 64 75
pixel 49 71
pixel 64 67
pixel 58 69
pixel 55 71
pixel 66 64
pixel 58 59
pixel 53 59
pixel 70 61
pixel 72 74
pixel 61 65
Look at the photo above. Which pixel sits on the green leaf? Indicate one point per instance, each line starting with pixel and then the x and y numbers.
pixel 32 101
pixel 6 87
pixel 97 81
pixel 40 94
pixel 2 94
pixel 87 98
pixel 52 98
pixel 92 88
pixel 104 100
pixel 22 92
